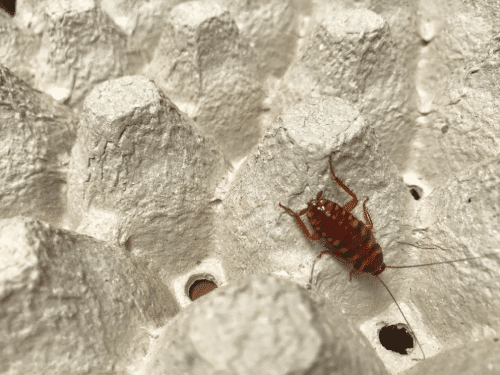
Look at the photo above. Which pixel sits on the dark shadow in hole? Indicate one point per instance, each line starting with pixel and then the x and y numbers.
pixel 199 285
pixel 9 6
pixel 397 338
pixel 416 192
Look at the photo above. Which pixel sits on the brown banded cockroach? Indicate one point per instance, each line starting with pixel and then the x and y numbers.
pixel 347 237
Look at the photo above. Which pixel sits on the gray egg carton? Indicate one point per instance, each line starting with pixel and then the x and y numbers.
pixel 146 148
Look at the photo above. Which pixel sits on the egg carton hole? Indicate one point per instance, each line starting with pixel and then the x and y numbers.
pixel 396 338
pixel 199 285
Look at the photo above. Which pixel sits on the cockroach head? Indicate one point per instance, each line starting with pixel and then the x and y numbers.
pixel 380 267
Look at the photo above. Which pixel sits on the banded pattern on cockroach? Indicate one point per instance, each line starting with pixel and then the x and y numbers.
pixel 347 237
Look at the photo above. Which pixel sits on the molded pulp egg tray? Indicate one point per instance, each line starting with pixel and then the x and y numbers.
pixel 153 154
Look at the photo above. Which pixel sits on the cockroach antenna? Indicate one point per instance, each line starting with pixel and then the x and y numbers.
pixel 446 261
pixel 347 237
pixel 344 235
pixel 403 315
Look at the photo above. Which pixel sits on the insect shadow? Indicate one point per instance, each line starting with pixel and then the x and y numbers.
pixel 349 240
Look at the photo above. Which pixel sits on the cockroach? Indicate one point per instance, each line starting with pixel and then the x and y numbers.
pixel 348 237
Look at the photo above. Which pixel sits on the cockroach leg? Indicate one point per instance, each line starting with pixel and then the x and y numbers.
pixel 313 237
pixel 349 206
pixel 368 219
